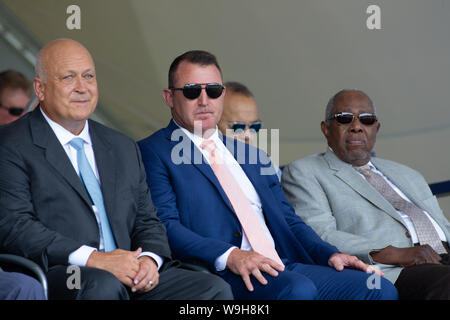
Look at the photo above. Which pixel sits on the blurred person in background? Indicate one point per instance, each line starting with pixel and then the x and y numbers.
pixel 240 116
pixel 15 92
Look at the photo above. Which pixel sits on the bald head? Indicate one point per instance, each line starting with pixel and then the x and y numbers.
pixel 66 83
pixel 52 49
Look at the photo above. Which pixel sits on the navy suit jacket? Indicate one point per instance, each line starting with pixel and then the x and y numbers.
pixel 200 222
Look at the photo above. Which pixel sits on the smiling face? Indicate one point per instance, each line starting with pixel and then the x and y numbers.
pixel 202 110
pixel 69 93
pixel 352 143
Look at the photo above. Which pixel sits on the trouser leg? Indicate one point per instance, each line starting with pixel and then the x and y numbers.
pixel 94 284
pixel 179 284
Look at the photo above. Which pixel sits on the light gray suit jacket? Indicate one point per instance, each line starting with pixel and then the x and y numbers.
pixel 346 211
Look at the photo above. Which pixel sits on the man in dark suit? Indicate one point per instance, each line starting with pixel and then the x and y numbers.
pixel 74 192
pixel 206 195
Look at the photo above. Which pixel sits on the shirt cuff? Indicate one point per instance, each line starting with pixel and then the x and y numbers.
pixel 221 262
pixel 158 259
pixel 80 256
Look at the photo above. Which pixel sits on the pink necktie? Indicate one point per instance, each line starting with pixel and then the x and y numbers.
pixel 245 213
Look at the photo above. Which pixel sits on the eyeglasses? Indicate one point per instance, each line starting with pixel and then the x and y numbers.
pixel 14 111
pixel 193 90
pixel 239 127
pixel 366 119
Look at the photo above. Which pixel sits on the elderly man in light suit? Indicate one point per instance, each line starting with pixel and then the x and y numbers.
pixel 330 195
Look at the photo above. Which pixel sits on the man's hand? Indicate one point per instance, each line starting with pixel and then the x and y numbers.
pixel 147 277
pixel 341 260
pixel 406 257
pixel 246 263
pixel 121 263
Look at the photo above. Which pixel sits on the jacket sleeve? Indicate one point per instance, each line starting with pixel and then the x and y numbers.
pixel 21 231
pixel 149 232
pixel 310 202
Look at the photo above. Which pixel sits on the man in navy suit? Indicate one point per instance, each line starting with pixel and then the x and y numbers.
pixel 199 215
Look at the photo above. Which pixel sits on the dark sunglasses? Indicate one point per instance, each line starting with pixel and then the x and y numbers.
pixel 366 119
pixel 193 90
pixel 239 127
pixel 14 111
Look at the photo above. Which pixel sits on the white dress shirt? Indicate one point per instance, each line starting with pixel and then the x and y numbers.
pixel 245 184
pixel 406 219
pixel 80 256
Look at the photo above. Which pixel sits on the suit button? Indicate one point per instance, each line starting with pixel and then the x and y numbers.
pixel 238 234
pixel 407 234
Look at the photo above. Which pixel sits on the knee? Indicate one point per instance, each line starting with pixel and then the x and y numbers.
pixel 300 289
pixel 35 290
pixel 26 288
pixel 385 291
pixel 440 290
pixel 97 284
pixel 219 289
pixel 445 288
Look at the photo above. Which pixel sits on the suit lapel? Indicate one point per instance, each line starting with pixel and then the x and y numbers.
pixel 193 156
pixel 104 159
pixel 346 173
pixel 44 137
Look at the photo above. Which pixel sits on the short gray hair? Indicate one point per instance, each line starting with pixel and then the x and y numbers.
pixel 39 67
pixel 238 87
pixel 330 104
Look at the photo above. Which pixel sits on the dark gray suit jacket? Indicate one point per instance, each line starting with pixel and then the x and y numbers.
pixel 45 211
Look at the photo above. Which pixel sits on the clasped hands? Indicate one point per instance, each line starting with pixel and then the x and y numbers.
pixel 246 263
pixel 139 274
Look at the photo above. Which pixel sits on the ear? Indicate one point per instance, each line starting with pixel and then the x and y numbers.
pixel 168 97
pixel 324 128
pixel 39 88
pixel 378 126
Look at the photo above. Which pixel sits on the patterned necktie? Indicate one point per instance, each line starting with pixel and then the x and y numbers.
pixel 93 187
pixel 425 230
pixel 241 205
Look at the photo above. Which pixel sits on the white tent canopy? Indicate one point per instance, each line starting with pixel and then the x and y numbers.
pixel 292 54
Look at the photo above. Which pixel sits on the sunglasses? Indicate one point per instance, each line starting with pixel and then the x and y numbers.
pixel 366 119
pixel 239 127
pixel 193 90
pixel 14 111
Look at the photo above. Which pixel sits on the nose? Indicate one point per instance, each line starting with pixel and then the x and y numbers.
pixel 247 133
pixel 203 98
pixel 355 126
pixel 80 85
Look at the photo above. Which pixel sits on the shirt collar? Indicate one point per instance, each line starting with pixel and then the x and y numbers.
pixel 65 136
pixel 197 140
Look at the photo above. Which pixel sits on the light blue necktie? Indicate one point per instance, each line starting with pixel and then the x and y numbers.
pixel 93 187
